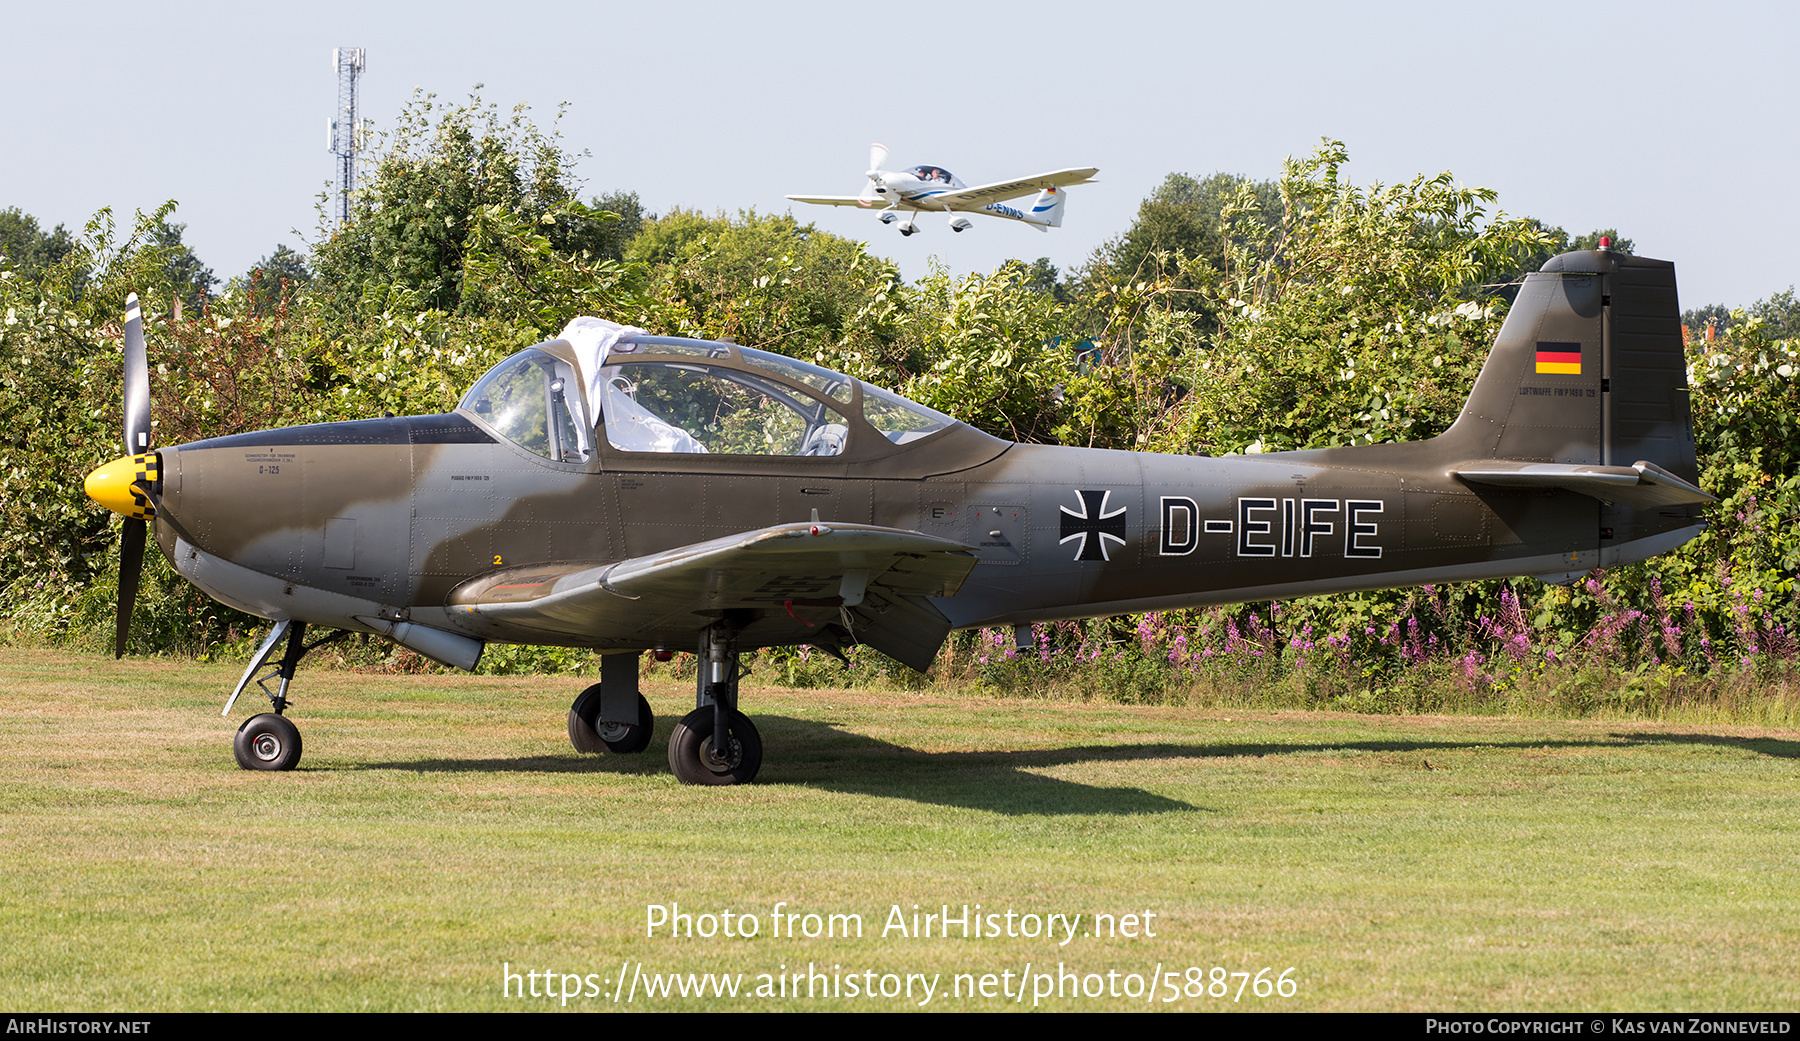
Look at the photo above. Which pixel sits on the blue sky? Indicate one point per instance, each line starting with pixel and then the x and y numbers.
pixel 1675 123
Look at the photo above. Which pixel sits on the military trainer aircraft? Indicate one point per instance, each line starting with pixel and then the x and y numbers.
pixel 626 492
pixel 920 188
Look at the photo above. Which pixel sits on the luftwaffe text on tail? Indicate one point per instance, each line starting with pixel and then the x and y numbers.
pixel 923 188
pixel 574 498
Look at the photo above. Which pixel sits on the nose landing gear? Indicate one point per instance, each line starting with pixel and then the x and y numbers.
pixel 269 740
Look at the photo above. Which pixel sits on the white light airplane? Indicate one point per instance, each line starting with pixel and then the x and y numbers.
pixel 921 188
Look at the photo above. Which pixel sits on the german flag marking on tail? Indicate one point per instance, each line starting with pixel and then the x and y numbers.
pixel 1561 359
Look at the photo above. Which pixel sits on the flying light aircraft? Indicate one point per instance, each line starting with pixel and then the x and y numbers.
pixel 626 492
pixel 922 188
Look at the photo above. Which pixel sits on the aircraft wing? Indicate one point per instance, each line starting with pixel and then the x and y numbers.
pixel 834 200
pixel 794 580
pixel 1000 191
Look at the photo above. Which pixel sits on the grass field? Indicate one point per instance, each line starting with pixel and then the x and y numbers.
pixel 440 833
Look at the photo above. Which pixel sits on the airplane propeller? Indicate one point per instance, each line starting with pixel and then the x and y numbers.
pixel 137 443
pixel 878 154
pixel 124 486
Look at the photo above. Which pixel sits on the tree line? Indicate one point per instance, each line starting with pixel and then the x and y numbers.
pixel 1233 315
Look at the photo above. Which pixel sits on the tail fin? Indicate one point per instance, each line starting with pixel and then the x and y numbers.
pixel 1586 387
pixel 1047 208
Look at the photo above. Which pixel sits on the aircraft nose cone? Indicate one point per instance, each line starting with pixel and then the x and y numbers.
pixel 115 485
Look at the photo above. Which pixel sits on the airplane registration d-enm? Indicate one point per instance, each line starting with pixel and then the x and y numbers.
pixel 627 492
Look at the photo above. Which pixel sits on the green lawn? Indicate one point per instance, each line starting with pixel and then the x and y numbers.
pixel 440 831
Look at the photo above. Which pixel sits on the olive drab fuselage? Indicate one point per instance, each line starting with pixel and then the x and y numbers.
pixel 427 519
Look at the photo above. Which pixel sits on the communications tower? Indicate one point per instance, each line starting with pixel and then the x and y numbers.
pixel 346 136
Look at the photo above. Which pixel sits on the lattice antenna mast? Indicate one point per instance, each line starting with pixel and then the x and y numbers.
pixel 346 136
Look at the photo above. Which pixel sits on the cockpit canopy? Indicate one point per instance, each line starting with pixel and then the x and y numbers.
pixel 936 174
pixel 667 395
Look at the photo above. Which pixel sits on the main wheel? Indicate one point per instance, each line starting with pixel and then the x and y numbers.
pixel 267 742
pixel 581 721
pixel 691 753
pixel 587 734
pixel 626 738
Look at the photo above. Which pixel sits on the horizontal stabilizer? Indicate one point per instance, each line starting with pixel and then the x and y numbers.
pixel 1641 486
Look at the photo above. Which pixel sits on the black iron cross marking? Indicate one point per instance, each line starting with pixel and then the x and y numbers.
pixel 1093 525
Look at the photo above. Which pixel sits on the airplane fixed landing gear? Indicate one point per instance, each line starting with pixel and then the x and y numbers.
pixel 715 743
pixel 698 757
pixel 269 740
pixel 611 716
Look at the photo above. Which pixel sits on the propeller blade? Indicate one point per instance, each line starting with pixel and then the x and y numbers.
pixel 137 381
pixel 131 569
pixel 878 154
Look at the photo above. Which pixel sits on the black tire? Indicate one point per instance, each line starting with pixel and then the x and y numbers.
pixel 587 735
pixel 581 722
pixel 267 742
pixel 690 750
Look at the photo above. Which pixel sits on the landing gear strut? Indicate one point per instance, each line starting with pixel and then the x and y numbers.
pixel 715 743
pixel 611 716
pixel 269 740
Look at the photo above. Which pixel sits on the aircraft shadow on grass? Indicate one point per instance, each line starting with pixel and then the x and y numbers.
pixel 1774 747
pixel 820 754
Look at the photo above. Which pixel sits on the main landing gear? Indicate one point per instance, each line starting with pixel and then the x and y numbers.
pixel 611 716
pixel 715 743
pixel 269 740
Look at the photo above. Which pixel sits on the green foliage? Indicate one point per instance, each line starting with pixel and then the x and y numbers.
pixel 60 373
pixel 191 281
pixel 473 214
pixel 766 281
pixel 275 281
pixel 610 239
pixel 1182 235
pixel 26 249
pixel 1779 314
pixel 987 351
pixel 1349 321
pixel 1233 316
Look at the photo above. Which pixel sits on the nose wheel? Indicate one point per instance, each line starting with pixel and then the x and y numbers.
pixel 267 742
